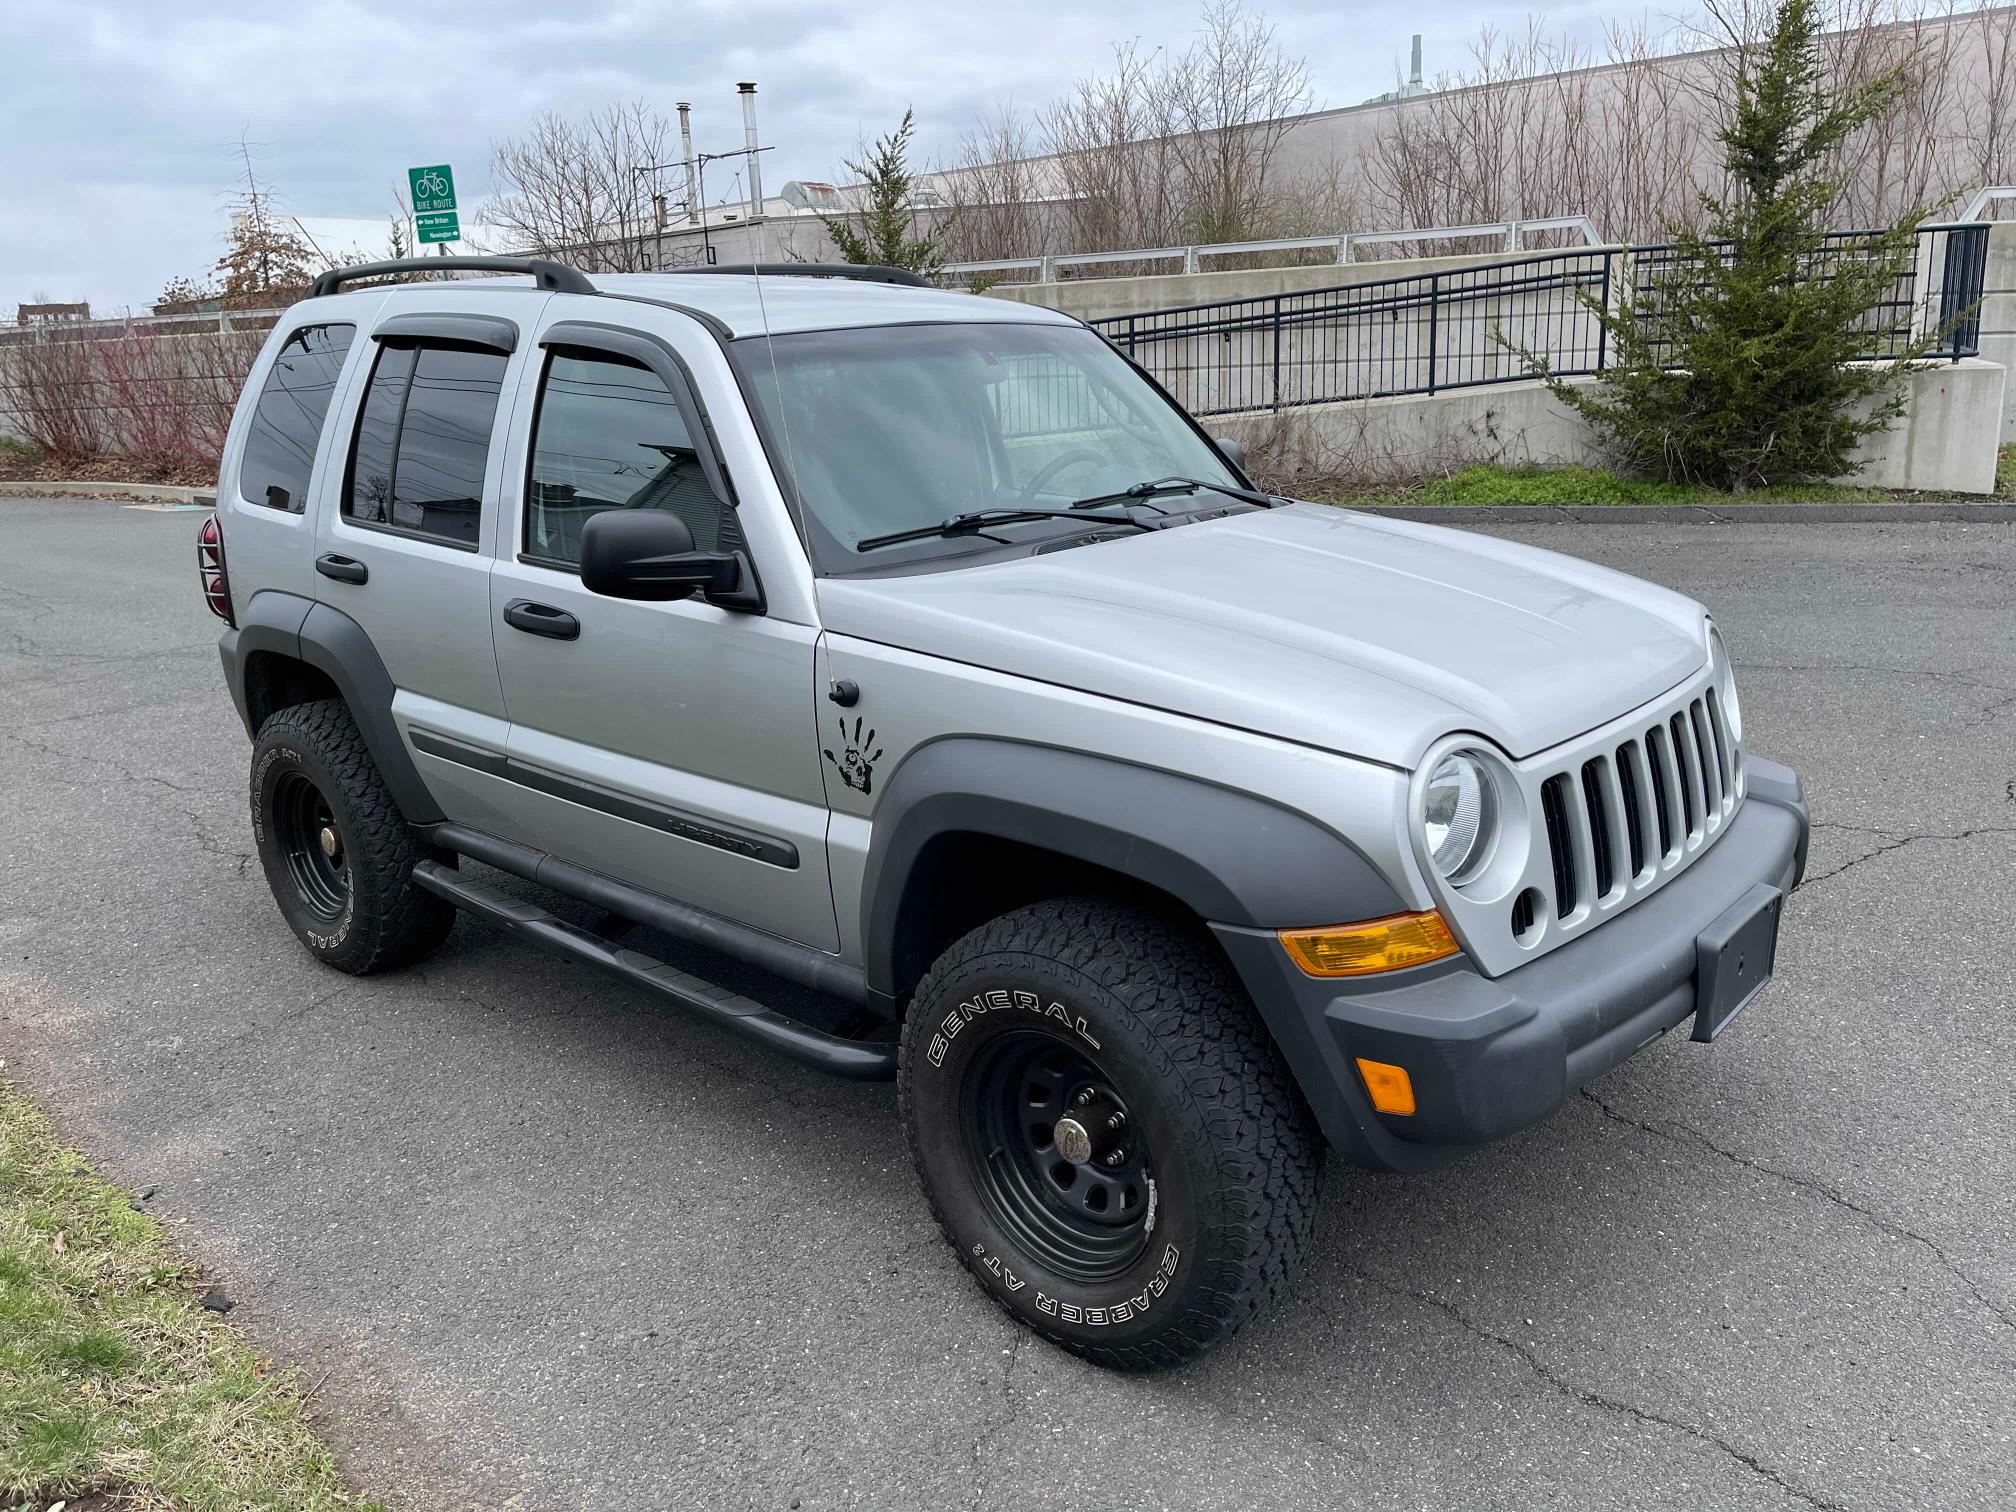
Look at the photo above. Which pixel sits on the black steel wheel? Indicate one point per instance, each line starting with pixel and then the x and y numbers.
pixel 306 831
pixel 1079 1199
pixel 336 851
pixel 1106 1133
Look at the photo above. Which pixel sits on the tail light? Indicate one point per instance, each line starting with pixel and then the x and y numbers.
pixel 210 566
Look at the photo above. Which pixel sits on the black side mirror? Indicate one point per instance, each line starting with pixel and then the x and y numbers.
pixel 649 554
pixel 1234 452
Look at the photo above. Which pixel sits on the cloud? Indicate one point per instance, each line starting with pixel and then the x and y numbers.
pixel 122 118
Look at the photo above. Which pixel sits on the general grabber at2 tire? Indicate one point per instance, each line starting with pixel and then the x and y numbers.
pixel 337 852
pixel 1106 1134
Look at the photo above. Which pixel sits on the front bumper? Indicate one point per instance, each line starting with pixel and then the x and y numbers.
pixel 1490 1056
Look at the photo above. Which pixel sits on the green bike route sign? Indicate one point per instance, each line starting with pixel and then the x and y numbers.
pixel 434 217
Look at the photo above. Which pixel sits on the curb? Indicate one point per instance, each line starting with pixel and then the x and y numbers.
pixel 1846 512
pixel 161 493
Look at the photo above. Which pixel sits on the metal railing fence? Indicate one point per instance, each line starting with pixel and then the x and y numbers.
pixel 1430 332
pixel 1343 248
pixel 113 327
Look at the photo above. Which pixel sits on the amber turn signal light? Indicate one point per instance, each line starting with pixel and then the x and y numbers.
pixel 1391 1087
pixel 1388 944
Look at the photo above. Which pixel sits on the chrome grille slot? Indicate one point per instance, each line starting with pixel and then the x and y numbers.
pixel 1720 733
pixel 1689 763
pixel 1711 764
pixel 1554 806
pixel 1665 777
pixel 1636 800
pixel 1597 800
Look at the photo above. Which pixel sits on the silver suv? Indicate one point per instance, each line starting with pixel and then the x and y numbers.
pixel 1151 831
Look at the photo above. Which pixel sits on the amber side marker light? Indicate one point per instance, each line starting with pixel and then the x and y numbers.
pixel 1346 950
pixel 1391 1087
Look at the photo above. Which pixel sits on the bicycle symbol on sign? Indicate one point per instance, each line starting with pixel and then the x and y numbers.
pixel 431 185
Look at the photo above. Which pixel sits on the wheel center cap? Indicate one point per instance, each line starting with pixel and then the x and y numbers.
pixel 1092 1130
pixel 1074 1141
pixel 330 844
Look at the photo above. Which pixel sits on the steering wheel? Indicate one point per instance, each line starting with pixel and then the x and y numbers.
pixel 1053 467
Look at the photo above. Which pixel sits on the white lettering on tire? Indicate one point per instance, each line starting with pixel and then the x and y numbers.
pixel 992 1264
pixel 1000 997
pixel 1115 1312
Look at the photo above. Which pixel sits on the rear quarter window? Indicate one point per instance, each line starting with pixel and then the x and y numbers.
pixel 287 421
pixel 423 441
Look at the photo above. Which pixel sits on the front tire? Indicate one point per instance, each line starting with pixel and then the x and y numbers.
pixel 1106 1135
pixel 337 852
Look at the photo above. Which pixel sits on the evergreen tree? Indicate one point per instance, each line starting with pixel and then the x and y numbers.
pixel 1736 360
pixel 885 235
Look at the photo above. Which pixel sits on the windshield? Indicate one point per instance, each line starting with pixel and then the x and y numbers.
pixel 891 428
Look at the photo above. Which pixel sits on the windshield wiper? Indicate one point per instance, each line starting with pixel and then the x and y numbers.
pixel 1160 487
pixel 979 519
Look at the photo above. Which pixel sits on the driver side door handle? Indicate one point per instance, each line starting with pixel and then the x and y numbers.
pixel 541 619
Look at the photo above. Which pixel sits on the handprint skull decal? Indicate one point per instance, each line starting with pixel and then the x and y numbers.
pixel 856 762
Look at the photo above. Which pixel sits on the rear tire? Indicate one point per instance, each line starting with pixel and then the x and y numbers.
pixel 1164 1233
pixel 337 852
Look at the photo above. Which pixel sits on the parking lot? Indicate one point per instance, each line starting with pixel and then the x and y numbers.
pixel 543 1244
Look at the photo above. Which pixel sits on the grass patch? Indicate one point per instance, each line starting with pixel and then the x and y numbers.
pixel 1593 485
pixel 1532 484
pixel 112 1379
pixel 14 448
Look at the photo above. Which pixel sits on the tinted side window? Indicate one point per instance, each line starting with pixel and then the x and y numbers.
pixel 423 438
pixel 610 435
pixel 287 421
pixel 368 499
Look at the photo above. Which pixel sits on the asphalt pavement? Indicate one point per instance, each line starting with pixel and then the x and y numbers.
pixel 546 1245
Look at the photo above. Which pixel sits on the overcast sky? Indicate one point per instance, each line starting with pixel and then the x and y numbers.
pixel 119 119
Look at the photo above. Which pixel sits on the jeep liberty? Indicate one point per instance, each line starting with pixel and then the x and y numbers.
pixel 1154 833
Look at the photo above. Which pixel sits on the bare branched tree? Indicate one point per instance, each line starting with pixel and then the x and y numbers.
pixel 1533 129
pixel 574 189
pixel 1003 195
pixel 1230 98
pixel 1159 149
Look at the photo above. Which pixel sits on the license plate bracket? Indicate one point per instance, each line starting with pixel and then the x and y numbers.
pixel 1733 958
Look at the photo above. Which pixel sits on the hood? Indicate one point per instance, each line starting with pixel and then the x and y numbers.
pixel 1367 636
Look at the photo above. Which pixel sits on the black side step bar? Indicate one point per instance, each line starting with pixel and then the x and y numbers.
pixel 859 1060
pixel 797 963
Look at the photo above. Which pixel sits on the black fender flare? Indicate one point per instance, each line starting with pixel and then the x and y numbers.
pixel 1230 857
pixel 333 643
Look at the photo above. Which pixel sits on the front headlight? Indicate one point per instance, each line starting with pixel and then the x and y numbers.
pixel 1459 816
pixel 1725 683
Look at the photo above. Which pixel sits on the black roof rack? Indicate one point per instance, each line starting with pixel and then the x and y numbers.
pixel 865 272
pixel 556 278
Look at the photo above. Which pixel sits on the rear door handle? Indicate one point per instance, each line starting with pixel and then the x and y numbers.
pixel 541 619
pixel 343 569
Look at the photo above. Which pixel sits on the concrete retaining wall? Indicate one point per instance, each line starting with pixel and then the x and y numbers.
pixel 1945 440
pixel 1998 314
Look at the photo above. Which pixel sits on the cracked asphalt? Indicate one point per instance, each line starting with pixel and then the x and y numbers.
pixel 544 1245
